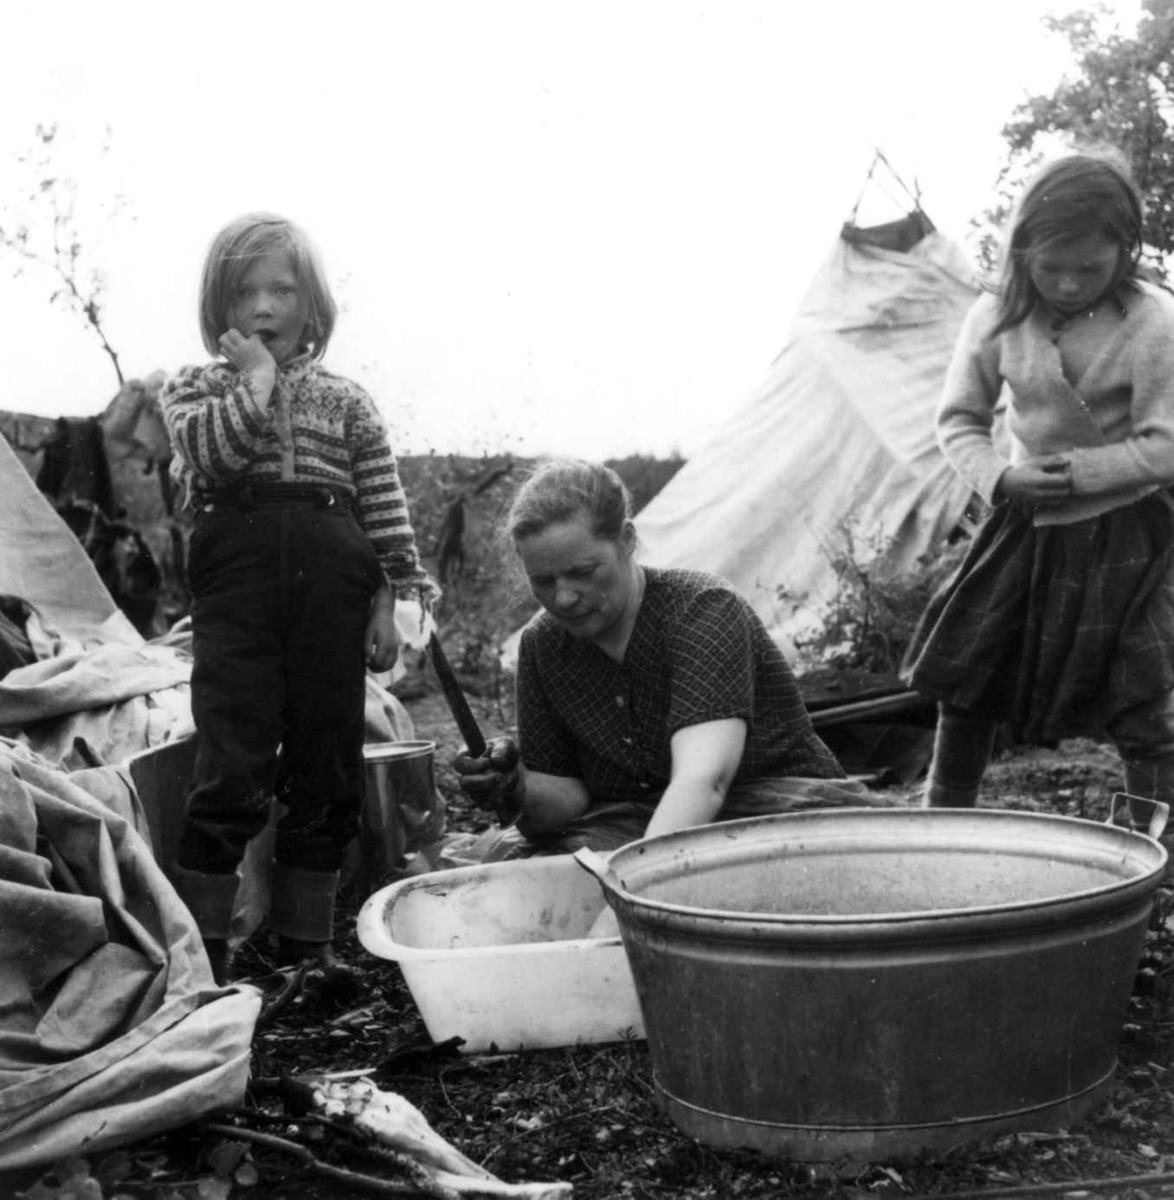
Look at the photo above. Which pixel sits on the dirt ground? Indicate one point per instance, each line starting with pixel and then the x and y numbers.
pixel 588 1114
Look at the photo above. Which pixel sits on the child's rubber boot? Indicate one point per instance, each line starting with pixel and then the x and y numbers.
pixel 211 900
pixel 220 958
pixel 301 914
pixel 961 751
pixel 941 795
pixel 319 956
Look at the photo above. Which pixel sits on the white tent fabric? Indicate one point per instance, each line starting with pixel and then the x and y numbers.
pixel 836 447
pixel 43 563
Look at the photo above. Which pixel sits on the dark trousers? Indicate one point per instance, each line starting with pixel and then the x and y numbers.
pixel 281 598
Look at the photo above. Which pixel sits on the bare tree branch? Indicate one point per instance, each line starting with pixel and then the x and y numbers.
pixel 64 252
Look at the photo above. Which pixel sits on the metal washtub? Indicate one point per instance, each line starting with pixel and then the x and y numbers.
pixel 881 982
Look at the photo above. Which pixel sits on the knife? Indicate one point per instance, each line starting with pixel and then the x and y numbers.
pixel 457 703
pixel 510 809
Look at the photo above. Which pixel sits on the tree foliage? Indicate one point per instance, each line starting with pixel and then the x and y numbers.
pixel 41 228
pixel 1120 93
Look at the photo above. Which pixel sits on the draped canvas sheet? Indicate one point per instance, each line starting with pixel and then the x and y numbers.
pixel 111 1028
pixel 121 700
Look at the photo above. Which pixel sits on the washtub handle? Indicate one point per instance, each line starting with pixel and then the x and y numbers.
pixel 597 864
pixel 1159 813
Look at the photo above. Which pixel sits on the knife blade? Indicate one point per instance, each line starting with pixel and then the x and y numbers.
pixel 457 703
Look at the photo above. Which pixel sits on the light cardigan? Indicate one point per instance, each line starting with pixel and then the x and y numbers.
pixel 1097 388
pixel 317 428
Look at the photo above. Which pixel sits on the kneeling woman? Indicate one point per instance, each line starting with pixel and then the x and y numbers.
pixel 648 700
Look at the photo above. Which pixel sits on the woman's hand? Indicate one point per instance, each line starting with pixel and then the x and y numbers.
pixel 381 641
pixel 1041 481
pixel 496 781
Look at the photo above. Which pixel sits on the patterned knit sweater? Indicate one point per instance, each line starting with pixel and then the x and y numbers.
pixel 317 429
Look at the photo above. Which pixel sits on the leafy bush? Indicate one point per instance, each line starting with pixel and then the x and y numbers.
pixel 869 621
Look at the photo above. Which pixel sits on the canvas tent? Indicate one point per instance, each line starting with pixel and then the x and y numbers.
pixel 42 562
pixel 837 442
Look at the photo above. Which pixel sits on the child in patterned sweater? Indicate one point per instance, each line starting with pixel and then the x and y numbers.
pixel 300 550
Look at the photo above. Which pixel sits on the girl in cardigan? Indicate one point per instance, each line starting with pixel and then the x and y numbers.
pixel 1060 620
pixel 300 550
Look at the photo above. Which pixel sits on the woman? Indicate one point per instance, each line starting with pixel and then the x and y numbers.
pixel 648 700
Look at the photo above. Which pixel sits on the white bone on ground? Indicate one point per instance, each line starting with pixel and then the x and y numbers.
pixel 397 1123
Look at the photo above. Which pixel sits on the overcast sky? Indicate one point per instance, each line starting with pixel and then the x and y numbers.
pixel 552 227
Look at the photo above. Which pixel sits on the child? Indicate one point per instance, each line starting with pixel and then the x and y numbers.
pixel 300 550
pixel 1060 620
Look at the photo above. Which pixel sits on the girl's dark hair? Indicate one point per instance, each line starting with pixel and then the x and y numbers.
pixel 559 489
pixel 1070 198
pixel 236 248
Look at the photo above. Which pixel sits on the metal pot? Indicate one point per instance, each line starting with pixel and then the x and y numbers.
pixel 401 812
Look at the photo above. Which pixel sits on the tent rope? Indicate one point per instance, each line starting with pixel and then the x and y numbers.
pixel 876 156
pixel 879 159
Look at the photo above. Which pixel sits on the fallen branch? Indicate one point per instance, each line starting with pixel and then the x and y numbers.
pixel 356 1179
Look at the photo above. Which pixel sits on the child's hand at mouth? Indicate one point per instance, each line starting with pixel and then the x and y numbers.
pixel 248 353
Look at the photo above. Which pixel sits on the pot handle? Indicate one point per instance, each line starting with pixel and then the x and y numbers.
pixel 596 864
pixel 1159 813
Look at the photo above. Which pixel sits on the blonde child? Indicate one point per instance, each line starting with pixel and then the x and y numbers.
pixel 1060 620
pixel 300 549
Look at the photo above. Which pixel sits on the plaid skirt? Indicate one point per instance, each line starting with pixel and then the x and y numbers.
pixel 1054 629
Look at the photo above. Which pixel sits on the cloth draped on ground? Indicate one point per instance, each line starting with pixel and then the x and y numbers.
pixel 116 699
pixel 111 1027
pixel 122 699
